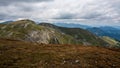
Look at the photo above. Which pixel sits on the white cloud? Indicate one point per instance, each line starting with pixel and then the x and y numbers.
pixel 97 11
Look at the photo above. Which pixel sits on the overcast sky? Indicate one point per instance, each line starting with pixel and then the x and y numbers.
pixel 91 12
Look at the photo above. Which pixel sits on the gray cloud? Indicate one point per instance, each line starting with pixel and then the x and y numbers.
pixel 65 16
pixel 7 2
pixel 92 15
pixel 98 11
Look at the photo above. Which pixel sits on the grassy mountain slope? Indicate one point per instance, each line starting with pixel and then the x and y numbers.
pixel 18 54
pixel 18 29
pixel 80 35
pixel 27 30
pixel 111 41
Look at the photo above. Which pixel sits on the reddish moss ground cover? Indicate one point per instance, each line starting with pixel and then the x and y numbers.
pixel 17 54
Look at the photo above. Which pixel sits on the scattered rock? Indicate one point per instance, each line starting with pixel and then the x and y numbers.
pixel 77 61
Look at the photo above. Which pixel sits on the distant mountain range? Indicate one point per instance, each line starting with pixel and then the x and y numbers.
pixel 6 22
pixel 27 30
pixel 118 27
pixel 110 31
pixel 72 25
pixel 58 33
pixel 106 31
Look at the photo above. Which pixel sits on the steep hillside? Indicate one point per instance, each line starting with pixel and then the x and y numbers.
pixel 1 25
pixel 80 35
pixel 27 30
pixel 18 54
pixel 97 31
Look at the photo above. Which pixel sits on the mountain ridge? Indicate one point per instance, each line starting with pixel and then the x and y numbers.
pixel 82 33
pixel 28 30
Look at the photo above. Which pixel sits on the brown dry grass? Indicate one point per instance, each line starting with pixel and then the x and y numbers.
pixel 17 54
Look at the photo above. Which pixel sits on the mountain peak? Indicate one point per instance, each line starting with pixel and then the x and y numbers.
pixel 24 21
